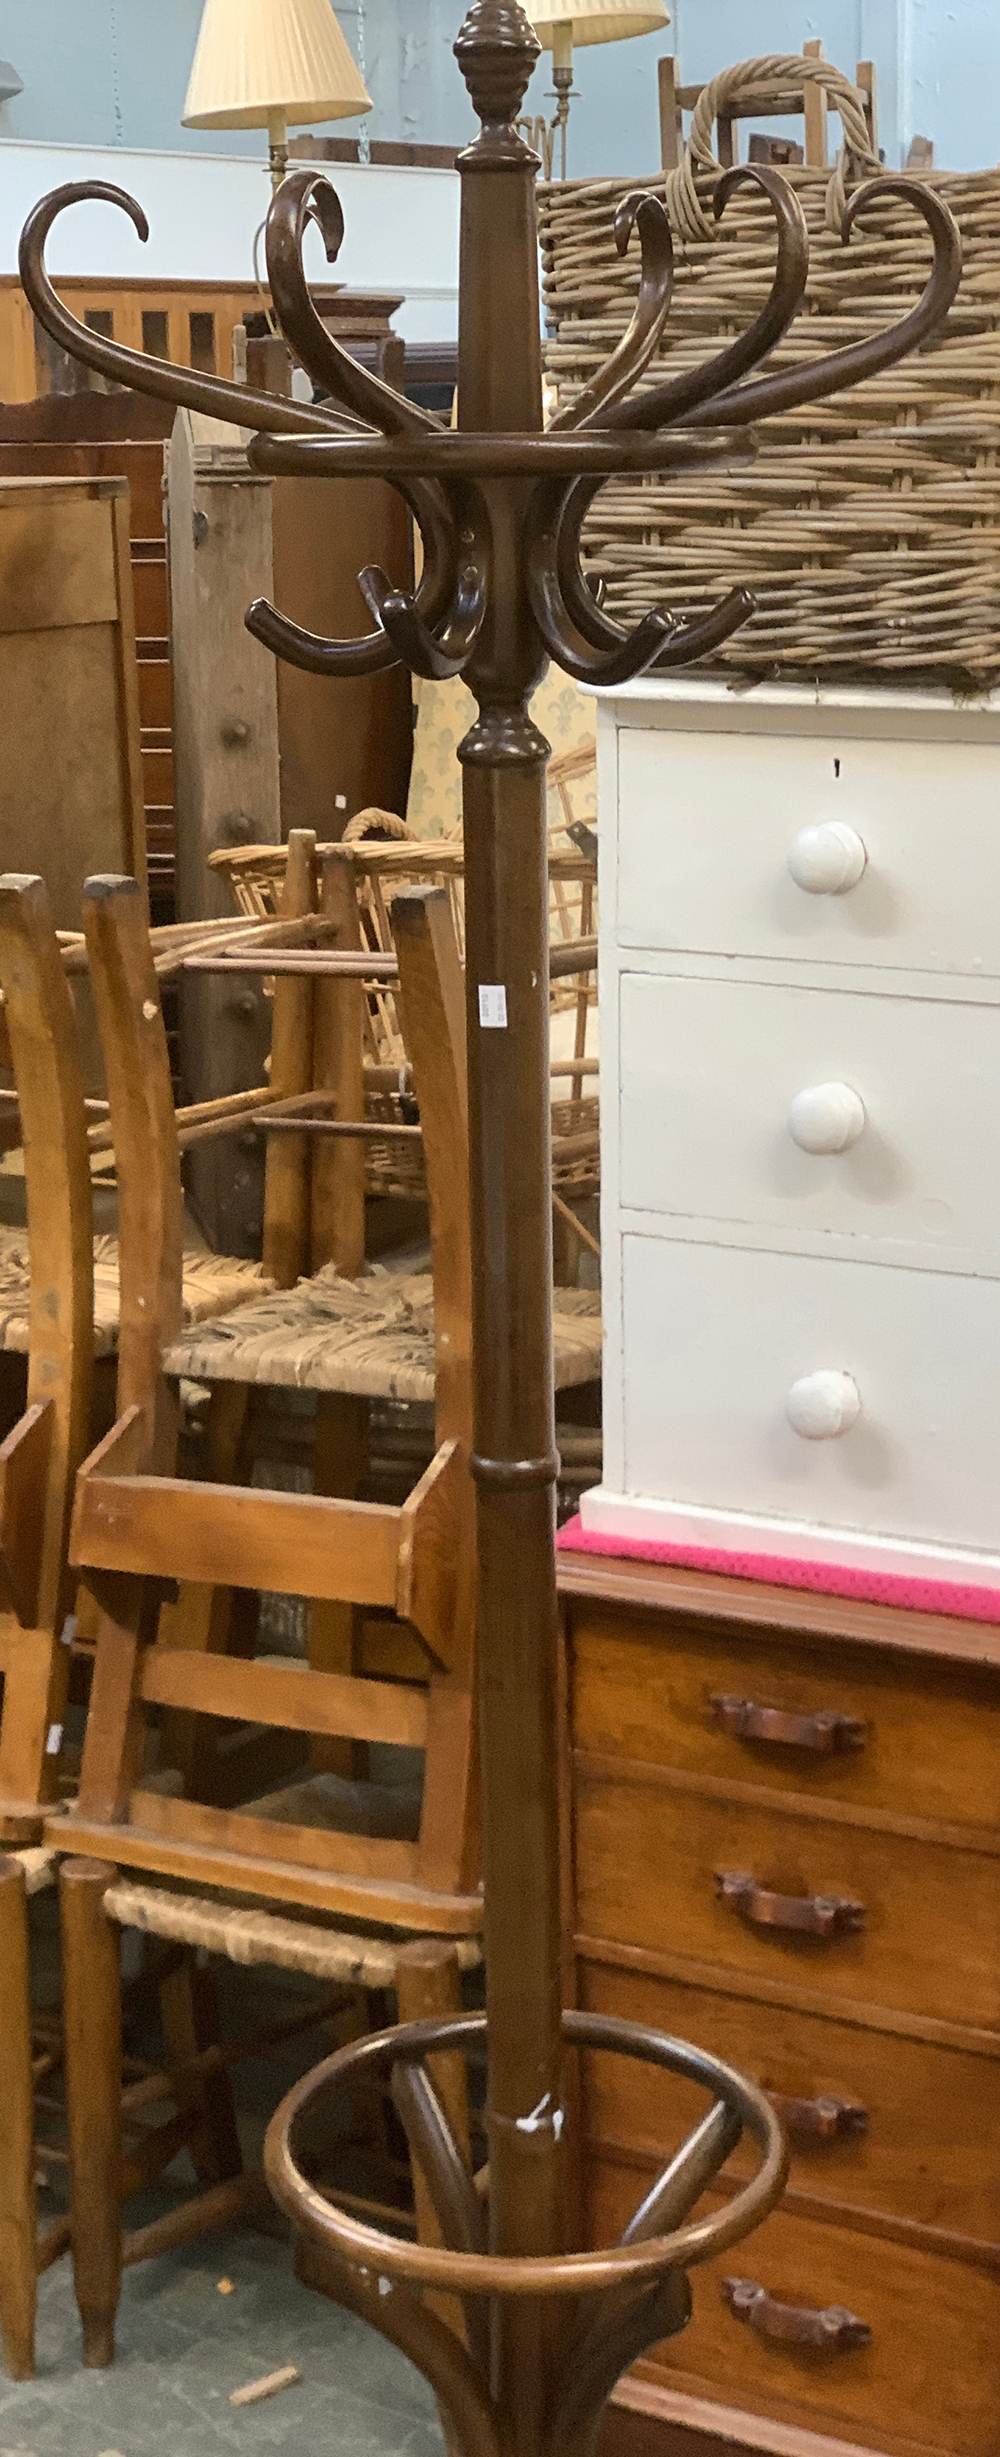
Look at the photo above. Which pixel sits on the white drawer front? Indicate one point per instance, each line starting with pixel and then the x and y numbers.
pixel 710 1067
pixel 706 820
pixel 714 1338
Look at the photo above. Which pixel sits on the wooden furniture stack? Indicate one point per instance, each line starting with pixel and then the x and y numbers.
pixel 787 1804
pixel 118 435
pixel 787 1832
pixel 312 1846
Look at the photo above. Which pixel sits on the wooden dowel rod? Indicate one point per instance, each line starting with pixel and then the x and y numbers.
pixel 213 1116
pixel 219 2207
pixel 317 963
pixel 579 957
pixel 178 939
pixel 366 1129
pixel 576 1225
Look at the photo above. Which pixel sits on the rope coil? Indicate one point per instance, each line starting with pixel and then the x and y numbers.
pixel 764 83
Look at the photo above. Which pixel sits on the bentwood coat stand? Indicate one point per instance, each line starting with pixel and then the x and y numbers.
pixel 500 504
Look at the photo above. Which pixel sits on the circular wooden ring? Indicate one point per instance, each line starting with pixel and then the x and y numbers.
pixel 470 2273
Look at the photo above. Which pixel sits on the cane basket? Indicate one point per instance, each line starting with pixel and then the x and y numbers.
pixel 868 526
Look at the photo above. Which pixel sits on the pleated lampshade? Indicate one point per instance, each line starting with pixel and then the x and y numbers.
pixel 259 60
pixel 595 21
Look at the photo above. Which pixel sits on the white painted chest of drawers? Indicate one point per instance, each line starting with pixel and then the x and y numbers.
pixel 800 1065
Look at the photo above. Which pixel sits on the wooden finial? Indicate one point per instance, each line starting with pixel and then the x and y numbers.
pixel 496 51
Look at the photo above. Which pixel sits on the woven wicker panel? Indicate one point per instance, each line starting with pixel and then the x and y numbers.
pixel 869 525
pixel 374 1337
pixel 244 1933
pixel 212 1284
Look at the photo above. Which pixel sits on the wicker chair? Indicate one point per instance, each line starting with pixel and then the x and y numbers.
pixel 383 861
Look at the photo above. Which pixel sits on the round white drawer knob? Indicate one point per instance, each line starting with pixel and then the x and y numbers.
pixel 820 1406
pixel 826 1117
pixel 827 860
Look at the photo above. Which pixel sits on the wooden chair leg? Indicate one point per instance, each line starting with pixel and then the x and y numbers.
pixel 18 2222
pixel 93 2051
pixel 35 1706
pixel 189 2012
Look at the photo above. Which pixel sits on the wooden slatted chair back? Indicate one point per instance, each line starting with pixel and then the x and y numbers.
pixel 40 1457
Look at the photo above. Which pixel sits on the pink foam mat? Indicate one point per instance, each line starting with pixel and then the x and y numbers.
pixel 942 1595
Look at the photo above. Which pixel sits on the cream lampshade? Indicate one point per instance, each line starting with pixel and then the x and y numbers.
pixel 559 28
pixel 272 64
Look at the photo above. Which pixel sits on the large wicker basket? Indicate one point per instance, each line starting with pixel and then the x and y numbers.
pixel 869 525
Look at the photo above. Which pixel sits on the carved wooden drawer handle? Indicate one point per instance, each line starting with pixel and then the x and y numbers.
pixel 810 1915
pixel 820 2119
pixel 833 2329
pixel 825 1732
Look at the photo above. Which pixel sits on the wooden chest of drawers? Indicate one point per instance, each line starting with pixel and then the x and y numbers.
pixel 786 1847
pixel 800 1009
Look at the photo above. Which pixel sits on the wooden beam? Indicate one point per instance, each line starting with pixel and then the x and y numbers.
pixel 312 1887
pixel 228 1535
pixel 24 1467
pixel 319 1847
pixel 291 1696
pixel 434 1524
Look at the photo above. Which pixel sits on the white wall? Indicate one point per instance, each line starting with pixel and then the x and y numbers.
pixel 953 79
pixel 114 72
pixel 401 225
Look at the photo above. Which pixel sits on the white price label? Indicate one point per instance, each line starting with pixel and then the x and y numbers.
pixel 54 1742
pixel 492 1006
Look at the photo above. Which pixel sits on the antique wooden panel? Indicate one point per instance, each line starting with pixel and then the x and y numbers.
pixel 226 785
pixel 915 1924
pixel 70 779
pixel 927 2379
pixel 876 2120
pixel 826 1718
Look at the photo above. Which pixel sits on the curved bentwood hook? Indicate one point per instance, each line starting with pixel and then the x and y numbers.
pixel 823 376
pixel 568 616
pixel 709 395
pixel 643 212
pixel 435 656
pixel 572 624
pixel 433 629
pixel 664 403
pixel 560 514
pixel 375 651
pixel 268 412
pixel 304 197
